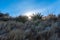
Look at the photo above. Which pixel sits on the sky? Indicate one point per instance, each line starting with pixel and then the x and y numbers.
pixel 20 7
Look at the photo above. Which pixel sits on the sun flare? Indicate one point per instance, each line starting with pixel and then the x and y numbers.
pixel 29 14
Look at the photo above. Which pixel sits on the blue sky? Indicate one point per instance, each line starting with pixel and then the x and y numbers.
pixel 18 7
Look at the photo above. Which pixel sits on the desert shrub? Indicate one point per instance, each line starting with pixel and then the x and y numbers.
pixel 56 25
pixel 37 16
pixel 52 17
pixel 1 14
pixel 37 22
pixel 16 35
pixel 4 17
pixel 58 15
pixel 21 19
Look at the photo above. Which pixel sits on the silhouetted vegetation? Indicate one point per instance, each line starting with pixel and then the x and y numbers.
pixel 38 28
pixel 37 16
pixel 21 19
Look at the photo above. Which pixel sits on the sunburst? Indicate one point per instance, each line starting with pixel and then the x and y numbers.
pixel 29 15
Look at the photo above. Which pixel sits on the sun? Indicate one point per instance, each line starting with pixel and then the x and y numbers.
pixel 29 14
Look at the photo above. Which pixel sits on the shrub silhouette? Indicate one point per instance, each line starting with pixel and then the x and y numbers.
pixel 4 17
pixel 21 19
pixel 36 16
